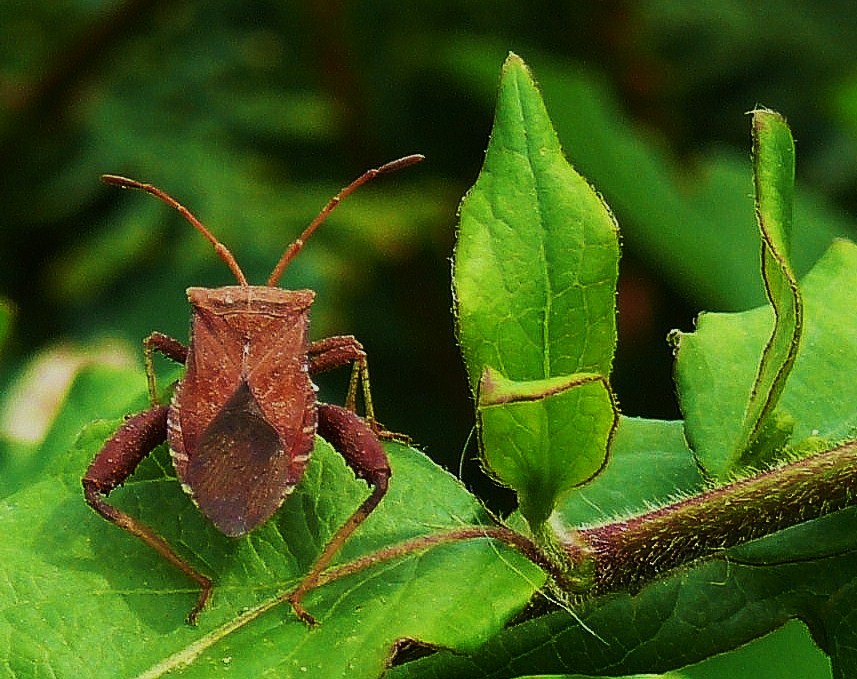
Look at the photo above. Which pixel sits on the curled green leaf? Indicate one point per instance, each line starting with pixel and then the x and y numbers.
pixel 773 167
pixel 731 362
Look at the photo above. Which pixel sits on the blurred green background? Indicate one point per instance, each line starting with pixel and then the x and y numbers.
pixel 254 114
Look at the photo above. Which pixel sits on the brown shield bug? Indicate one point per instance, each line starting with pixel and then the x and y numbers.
pixel 242 420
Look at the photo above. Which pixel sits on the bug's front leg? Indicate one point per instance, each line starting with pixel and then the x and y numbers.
pixel 354 439
pixel 117 460
pixel 167 346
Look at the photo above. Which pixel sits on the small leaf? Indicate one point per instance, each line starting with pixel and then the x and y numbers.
pixel 535 278
pixel 534 443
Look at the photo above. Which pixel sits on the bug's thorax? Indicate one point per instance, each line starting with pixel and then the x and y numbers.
pixel 250 314
pixel 243 330
pixel 250 299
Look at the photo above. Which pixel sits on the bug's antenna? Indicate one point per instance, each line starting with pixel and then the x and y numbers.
pixel 221 250
pixel 298 243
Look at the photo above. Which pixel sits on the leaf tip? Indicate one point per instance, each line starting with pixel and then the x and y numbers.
pixel 513 59
pixel 764 117
pixel 515 65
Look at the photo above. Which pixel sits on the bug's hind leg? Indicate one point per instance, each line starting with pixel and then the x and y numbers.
pixel 355 440
pixel 116 461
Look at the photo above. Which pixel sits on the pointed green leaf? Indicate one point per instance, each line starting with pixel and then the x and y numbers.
pixel 537 254
pixel 535 274
pixel 753 433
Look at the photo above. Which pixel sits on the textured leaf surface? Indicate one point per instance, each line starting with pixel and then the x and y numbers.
pixel 535 275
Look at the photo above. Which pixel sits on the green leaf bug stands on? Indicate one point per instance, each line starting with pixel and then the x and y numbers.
pixel 242 419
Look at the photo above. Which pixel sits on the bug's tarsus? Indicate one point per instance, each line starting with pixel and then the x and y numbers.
pixel 296 245
pixel 221 250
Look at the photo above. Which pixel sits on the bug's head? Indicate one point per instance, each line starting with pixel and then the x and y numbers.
pixel 295 247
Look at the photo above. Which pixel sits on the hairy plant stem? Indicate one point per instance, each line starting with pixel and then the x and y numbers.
pixel 626 554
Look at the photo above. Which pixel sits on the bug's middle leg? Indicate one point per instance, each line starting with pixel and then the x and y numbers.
pixel 335 352
pixel 167 346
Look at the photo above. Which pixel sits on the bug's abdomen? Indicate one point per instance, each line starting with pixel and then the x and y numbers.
pixel 242 469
